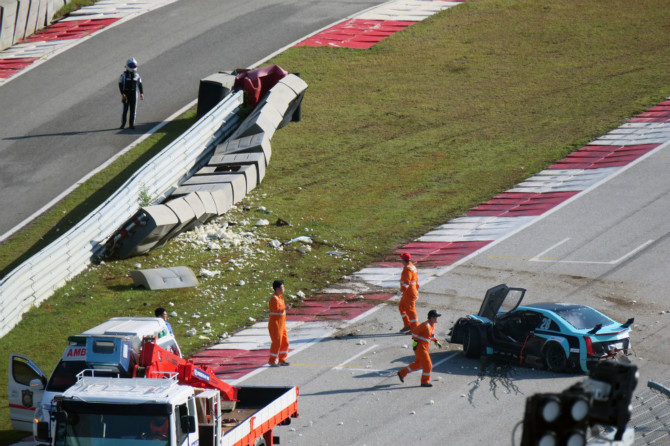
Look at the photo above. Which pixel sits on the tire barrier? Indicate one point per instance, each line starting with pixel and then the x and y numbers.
pixel 235 168
pixel 37 278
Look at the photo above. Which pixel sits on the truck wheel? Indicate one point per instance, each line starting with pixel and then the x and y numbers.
pixel 472 344
pixel 554 358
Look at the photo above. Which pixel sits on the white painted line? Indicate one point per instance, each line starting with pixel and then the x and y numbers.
pixel 445 359
pixel 366 314
pixel 339 366
pixel 593 262
pixel 540 256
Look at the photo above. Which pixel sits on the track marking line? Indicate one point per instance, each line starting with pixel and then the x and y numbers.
pixel 594 262
pixel 340 366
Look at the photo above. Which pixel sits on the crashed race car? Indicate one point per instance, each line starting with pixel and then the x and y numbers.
pixel 556 336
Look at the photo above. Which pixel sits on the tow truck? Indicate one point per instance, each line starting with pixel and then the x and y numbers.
pixel 169 401
pixel 111 348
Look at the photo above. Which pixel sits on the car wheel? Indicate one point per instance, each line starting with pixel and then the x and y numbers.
pixel 472 345
pixel 554 358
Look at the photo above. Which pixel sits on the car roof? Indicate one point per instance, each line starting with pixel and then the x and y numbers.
pixel 554 306
pixel 129 326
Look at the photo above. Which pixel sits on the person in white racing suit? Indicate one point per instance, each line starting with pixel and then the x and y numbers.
pixel 130 86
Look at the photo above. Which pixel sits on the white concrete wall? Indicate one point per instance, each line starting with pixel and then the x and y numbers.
pixel 21 18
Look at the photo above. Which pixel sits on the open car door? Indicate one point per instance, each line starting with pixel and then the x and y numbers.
pixel 24 391
pixel 499 296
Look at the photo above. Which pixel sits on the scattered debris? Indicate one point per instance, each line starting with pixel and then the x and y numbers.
pixel 207 273
pixel 301 239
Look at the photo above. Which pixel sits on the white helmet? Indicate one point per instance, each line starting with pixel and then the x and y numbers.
pixel 131 65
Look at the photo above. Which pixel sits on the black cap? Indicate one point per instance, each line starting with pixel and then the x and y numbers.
pixel 433 313
pixel 277 283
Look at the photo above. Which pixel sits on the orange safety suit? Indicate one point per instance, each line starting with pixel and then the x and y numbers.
pixel 423 335
pixel 277 328
pixel 409 285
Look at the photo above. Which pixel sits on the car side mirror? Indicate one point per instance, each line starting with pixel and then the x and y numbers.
pixel 188 424
pixel 36 384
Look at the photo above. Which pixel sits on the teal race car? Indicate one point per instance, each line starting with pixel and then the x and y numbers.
pixel 556 336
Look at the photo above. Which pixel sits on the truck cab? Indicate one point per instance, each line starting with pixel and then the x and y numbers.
pixel 110 349
pixel 140 411
pixel 165 412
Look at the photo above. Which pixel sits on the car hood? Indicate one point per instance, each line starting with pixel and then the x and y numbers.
pixel 498 296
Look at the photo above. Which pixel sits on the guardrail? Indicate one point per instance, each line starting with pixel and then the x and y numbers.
pixel 37 278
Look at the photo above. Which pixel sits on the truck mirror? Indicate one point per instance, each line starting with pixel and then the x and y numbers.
pixel 36 384
pixel 188 424
pixel 43 430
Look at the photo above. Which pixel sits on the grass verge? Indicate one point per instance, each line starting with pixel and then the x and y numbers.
pixel 394 141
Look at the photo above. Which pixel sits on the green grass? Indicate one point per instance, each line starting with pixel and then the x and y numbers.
pixel 71 6
pixel 394 141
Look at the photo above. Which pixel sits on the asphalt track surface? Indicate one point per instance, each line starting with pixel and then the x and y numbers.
pixel 604 249
pixel 60 120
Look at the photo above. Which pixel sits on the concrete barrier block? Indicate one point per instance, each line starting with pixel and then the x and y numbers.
pixel 164 278
pixel 144 231
pixel 298 86
pixel 50 11
pixel 248 144
pixel 263 119
pixel 8 9
pixel 212 90
pixel 256 159
pixel 280 96
pixel 31 22
pixel 185 215
pixel 237 181
pixel 249 171
pixel 42 20
pixel 223 198
pixel 294 83
pixel 208 203
pixel 23 6
pixel 198 208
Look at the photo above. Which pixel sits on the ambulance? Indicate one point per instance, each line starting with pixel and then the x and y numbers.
pixel 110 349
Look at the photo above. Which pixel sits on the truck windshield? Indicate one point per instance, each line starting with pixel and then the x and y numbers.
pixel 102 429
pixel 64 375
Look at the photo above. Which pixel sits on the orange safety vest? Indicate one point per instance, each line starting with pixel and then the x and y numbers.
pixel 277 305
pixel 424 334
pixel 409 281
